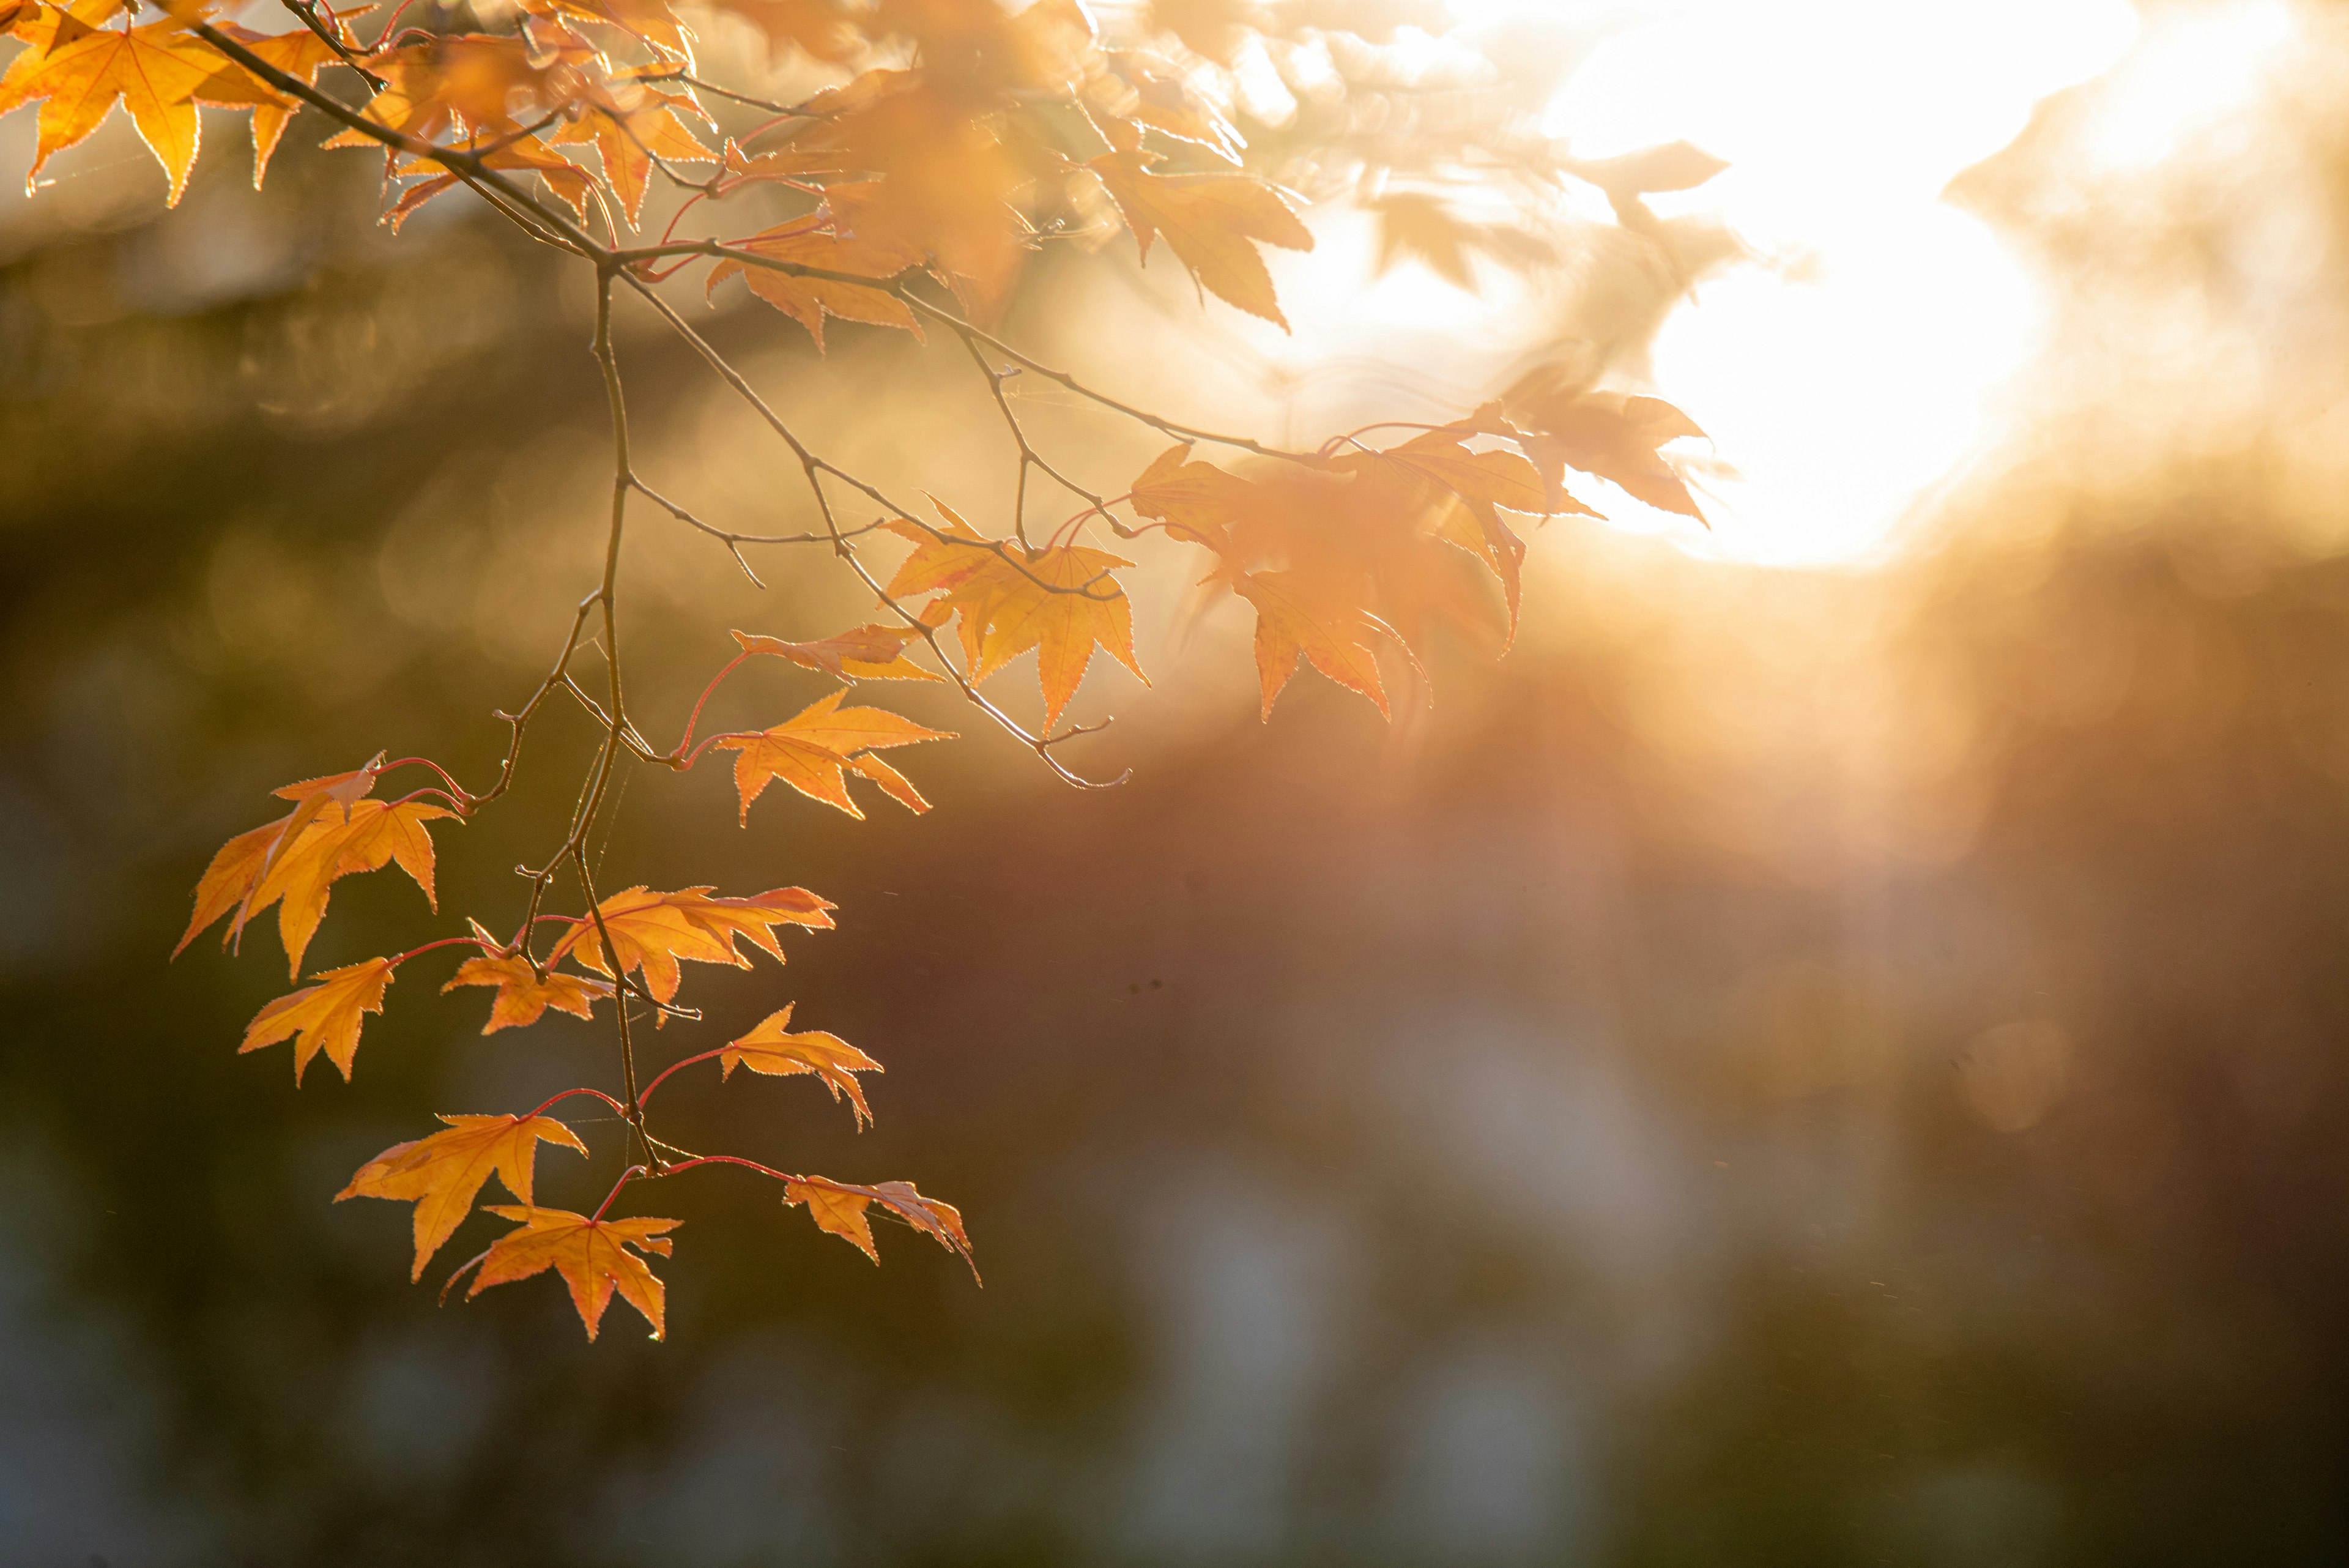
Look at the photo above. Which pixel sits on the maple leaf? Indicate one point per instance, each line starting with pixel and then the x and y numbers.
pixel 1159 95
pixel 1673 166
pixel 629 133
pixel 841 1207
pixel 323 1017
pixel 235 869
pixel 82 72
pixel 330 833
pixel 1197 501
pixel 441 1174
pixel 649 22
pixel 1210 221
pixel 651 931
pixel 1496 478
pixel 366 837
pixel 460 80
pixel 311 796
pixel 299 54
pixel 524 155
pixel 771 1048
pixel 1476 527
pixel 945 178
pixel 1062 602
pixel 592 1256
pixel 942 558
pixel 868 652
pixel 829 238
pixel 524 993
pixel 1292 620
pixel 1612 435
pixel 1460 489
pixel 810 749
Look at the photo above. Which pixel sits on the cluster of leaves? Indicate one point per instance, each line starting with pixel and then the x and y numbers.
pixel 959 137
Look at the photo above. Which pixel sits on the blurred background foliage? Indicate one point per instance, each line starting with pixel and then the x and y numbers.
pixel 1829 1065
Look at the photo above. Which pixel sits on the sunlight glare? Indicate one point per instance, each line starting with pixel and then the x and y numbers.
pixel 1845 375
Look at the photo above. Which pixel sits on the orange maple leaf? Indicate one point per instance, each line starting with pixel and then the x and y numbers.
pixel 1158 94
pixel 331 832
pixel 629 131
pixel 841 1207
pixel 1062 604
pixel 869 652
pixel 1061 601
pixel 80 72
pixel 946 177
pixel 648 22
pixel 462 80
pixel 567 181
pixel 1290 619
pixel 1210 221
pixel 1197 501
pixel 323 1017
pixel 524 993
pixel 1336 552
pixel 773 1049
pixel 810 749
pixel 441 1174
pixel 651 931
pixel 1461 490
pixel 942 558
pixel 1613 435
pixel 833 238
pixel 299 54
pixel 370 835
pixel 592 1256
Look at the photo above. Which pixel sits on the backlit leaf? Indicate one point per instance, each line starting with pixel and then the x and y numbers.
pixel 809 751
pixel 652 931
pixel 323 1017
pixel 774 1048
pixel 523 994
pixel 1211 221
pixel 441 1174
pixel 592 1256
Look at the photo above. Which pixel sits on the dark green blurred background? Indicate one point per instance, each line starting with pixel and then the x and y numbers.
pixel 1787 1068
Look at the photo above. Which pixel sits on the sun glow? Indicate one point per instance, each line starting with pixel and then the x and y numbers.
pixel 1844 372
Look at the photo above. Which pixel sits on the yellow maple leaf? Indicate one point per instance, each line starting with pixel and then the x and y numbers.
pixel 811 749
pixel 773 1048
pixel 592 1256
pixel 323 1017
pixel 441 1174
